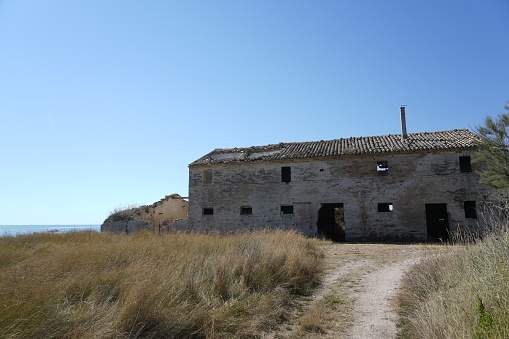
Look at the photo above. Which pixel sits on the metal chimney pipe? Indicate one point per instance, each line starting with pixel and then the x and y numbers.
pixel 404 136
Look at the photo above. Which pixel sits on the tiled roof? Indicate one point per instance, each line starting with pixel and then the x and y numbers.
pixel 426 141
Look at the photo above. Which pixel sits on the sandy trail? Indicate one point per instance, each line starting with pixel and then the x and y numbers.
pixel 369 275
pixel 377 270
pixel 375 317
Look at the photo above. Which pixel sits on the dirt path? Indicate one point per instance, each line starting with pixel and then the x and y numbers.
pixel 356 299
pixel 375 316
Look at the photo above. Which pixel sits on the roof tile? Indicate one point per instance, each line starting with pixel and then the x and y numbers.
pixel 426 141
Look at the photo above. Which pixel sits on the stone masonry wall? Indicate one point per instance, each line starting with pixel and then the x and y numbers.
pixel 158 215
pixel 411 181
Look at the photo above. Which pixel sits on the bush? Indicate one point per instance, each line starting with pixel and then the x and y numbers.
pixel 463 294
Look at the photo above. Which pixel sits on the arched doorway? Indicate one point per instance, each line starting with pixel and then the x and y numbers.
pixel 331 221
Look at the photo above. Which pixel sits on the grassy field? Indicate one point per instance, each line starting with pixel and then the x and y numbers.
pixel 462 294
pixel 99 285
pixel 96 285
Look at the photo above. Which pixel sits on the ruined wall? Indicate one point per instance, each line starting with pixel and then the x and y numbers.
pixel 125 226
pixel 409 182
pixel 158 215
pixel 165 211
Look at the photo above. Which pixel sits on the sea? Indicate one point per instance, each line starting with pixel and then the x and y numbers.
pixel 14 230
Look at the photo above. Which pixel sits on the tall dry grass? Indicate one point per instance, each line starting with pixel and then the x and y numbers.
pixel 462 294
pixel 96 285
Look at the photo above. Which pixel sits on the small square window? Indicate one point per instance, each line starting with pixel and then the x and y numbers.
pixel 470 209
pixel 465 165
pixel 382 167
pixel 385 207
pixel 246 210
pixel 208 211
pixel 286 209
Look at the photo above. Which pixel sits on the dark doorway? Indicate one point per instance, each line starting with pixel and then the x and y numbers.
pixel 331 221
pixel 437 222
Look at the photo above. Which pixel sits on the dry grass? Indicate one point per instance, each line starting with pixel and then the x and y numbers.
pixel 328 314
pixel 87 284
pixel 463 294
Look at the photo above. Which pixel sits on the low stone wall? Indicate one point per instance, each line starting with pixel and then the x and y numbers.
pixel 179 225
pixel 128 226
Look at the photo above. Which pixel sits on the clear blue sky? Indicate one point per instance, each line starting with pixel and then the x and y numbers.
pixel 104 103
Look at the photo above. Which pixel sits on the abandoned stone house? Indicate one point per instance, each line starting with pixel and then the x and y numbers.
pixel 416 185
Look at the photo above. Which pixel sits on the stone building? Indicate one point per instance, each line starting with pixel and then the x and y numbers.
pixel 417 185
pixel 157 216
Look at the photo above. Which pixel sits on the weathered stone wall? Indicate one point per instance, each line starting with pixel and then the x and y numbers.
pixel 125 226
pixel 158 215
pixel 411 181
pixel 165 211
